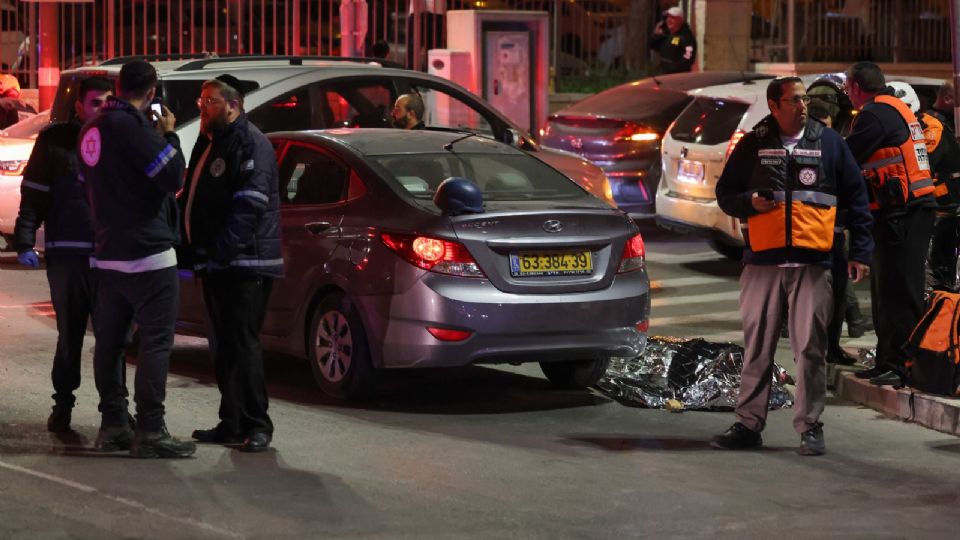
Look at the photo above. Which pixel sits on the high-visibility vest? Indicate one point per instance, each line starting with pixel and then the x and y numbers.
pixel 897 174
pixel 806 211
pixel 945 164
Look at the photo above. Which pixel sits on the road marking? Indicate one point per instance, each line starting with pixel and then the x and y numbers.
pixel 721 316
pixel 121 500
pixel 681 258
pixel 695 299
pixel 690 281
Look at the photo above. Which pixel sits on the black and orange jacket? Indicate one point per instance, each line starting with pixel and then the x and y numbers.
pixel 944 155
pixel 810 184
pixel 882 130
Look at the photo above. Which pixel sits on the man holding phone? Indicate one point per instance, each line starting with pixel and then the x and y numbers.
pixel 786 180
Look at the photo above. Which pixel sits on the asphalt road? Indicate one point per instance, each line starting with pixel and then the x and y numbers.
pixel 469 453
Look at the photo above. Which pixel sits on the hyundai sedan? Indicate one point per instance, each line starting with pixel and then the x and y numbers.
pixel 378 276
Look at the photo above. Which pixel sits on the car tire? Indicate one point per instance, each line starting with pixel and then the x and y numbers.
pixel 575 374
pixel 338 349
pixel 734 253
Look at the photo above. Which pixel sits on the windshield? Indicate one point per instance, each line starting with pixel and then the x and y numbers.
pixel 709 121
pixel 179 95
pixel 499 177
pixel 28 128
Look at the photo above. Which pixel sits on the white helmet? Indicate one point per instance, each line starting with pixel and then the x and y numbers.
pixel 906 94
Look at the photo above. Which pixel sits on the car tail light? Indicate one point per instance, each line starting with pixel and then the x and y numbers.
pixel 633 254
pixel 13 167
pixel 637 133
pixel 643 326
pixel 608 192
pixel 434 254
pixel 734 139
pixel 448 334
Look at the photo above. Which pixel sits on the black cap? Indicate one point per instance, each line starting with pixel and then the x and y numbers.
pixel 232 82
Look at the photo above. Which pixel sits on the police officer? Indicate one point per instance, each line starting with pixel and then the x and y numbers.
pixel 673 40
pixel 52 195
pixel 786 179
pixel 132 165
pixel 232 226
pixel 889 144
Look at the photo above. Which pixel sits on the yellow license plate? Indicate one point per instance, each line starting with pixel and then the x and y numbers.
pixel 551 263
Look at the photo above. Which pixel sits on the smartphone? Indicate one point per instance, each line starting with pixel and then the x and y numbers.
pixel 157 109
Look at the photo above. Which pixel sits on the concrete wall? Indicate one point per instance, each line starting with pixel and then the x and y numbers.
pixel 723 34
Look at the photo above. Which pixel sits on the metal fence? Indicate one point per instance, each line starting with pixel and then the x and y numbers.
pixel 851 30
pixel 588 36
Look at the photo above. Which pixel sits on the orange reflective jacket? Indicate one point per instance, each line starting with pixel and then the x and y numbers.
pixel 897 174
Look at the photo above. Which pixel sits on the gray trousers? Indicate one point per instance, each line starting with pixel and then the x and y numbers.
pixel 807 293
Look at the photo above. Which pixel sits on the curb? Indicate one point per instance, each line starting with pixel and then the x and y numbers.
pixel 928 410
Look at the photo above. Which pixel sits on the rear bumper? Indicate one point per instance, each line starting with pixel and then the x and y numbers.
pixel 505 327
pixel 696 216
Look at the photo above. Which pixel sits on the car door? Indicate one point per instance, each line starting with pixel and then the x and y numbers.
pixel 313 185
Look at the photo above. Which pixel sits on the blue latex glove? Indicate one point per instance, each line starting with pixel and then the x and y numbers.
pixel 29 258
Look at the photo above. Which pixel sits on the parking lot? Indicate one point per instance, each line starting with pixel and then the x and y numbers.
pixel 492 452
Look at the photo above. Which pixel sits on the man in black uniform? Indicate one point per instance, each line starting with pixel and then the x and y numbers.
pixel 51 194
pixel 675 42
pixel 132 169
pixel 890 147
pixel 231 209
pixel 943 106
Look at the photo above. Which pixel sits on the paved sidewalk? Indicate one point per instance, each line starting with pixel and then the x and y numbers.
pixel 928 410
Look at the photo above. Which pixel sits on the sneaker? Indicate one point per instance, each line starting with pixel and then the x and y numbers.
pixel 113 439
pixel 738 437
pixel 59 419
pixel 159 444
pixel 811 441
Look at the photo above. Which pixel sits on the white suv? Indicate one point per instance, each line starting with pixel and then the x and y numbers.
pixel 695 149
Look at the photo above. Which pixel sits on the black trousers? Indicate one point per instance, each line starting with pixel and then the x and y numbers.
pixel 943 252
pixel 73 287
pixel 236 305
pixel 838 272
pixel 897 280
pixel 150 299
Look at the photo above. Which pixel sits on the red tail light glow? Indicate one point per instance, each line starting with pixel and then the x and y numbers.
pixel 633 254
pixel 643 326
pixel 448 334
pixel 637 133
pixel 434 254
pixel 734 139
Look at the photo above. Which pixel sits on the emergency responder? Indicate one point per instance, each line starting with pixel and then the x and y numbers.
pixel 943 106
pixel 132 166
pixel 944 155
pixel 889 144
pixel 231 209
pixel 673 40
pixel 786 179
pixel 52 195
pixel 408 112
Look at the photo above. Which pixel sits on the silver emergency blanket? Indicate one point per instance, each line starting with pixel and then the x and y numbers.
pixel 681 373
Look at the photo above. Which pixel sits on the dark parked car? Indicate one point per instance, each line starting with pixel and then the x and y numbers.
pixel 378 277
pixel 620 130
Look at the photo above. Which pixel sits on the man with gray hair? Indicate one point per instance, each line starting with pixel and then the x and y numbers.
pixel 408 112
pixel 231 225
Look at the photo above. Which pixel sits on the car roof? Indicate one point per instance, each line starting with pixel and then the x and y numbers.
pixel 751 92
pixel 383 141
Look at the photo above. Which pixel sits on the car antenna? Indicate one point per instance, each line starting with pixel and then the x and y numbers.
pixel 449 146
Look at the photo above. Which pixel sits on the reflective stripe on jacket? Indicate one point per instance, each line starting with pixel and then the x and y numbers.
pixel 806 198
pixel 898 174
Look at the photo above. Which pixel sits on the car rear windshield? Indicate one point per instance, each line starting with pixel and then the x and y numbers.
pixel 709 121
pixel 179 95
pixel 500 177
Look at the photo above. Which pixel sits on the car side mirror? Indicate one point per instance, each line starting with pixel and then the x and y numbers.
pixel 513 137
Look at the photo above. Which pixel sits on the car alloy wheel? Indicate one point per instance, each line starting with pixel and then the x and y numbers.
pixel 334 346
pixel 338 350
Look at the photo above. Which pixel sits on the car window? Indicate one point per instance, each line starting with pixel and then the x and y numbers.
pixel 500 177
pixel 445 110
pixel 709 121
pixel 308 176
pixel 288 112
pixel 356 104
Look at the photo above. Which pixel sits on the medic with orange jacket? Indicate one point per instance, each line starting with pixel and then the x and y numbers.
pixel 889 144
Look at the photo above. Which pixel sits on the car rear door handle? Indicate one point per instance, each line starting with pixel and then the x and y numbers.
pixel 319 227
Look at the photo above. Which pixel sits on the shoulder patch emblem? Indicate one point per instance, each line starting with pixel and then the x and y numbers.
pixel 808 176
pixel 90 147
pixel 247 165
pixel 218 167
